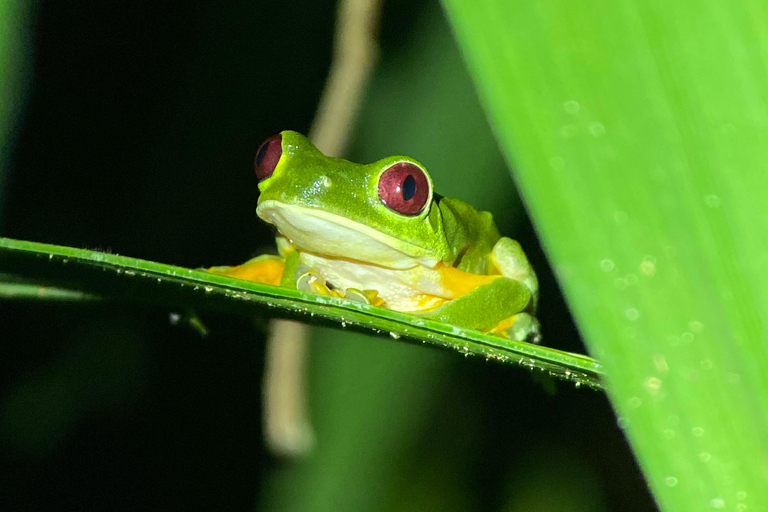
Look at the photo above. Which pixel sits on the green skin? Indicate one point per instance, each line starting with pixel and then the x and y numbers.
pixel 328 212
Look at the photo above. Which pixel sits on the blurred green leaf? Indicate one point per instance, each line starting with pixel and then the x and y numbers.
pixel 15 51
pixel 71 271
pixel 638 133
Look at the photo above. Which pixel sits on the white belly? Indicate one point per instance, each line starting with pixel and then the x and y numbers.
pixel 402 290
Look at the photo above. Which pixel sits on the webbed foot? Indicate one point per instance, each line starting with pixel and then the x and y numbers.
pixel 314 282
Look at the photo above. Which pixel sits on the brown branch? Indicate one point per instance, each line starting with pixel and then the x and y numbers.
pixel 287 428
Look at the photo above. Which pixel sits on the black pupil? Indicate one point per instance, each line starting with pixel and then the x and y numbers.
pixel 261 153
pixel 409 188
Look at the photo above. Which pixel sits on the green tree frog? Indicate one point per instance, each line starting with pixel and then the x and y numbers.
pixel 379 234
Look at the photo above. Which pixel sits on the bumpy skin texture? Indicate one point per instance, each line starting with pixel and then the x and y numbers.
pixel 337 236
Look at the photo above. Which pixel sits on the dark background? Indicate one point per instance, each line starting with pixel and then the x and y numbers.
pixel 138 136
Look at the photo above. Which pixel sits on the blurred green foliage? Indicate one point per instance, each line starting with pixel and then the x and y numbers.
pixel 640 135
pixel 15 52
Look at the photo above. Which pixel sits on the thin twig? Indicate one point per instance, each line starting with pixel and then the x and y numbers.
pixel 287 428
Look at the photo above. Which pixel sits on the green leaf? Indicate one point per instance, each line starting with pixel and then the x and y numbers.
pixel 638 133
pixel 29 267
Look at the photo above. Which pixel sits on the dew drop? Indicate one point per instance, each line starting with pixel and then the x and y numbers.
pixel 648 268
pixel 671 481
pixel 697 431
pixel 596 129
pixel 632 314
pixel 607 265
pixel 652 384
pixel 571 107
pixel 394 335
pixel 717 503
pixel 712 201
pixel 660 362
pixel 557 163
pixel 568 131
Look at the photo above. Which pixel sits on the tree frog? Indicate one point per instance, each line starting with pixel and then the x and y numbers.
pixel 379 234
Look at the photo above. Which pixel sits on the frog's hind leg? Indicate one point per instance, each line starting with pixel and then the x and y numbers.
pixel 266 269
pixel 509 259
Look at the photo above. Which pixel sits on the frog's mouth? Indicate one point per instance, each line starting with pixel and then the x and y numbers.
pixel 331 235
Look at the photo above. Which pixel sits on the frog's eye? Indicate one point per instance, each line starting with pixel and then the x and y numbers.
pixel 267 157
pixel 404 188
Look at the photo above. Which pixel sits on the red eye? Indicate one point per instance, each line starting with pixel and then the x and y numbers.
pixel 404 188
pixel 267 157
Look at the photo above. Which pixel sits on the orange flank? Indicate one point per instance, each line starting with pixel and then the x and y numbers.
pixel 264 269
pixel 459 282
pixel 502 329
pixel 427 302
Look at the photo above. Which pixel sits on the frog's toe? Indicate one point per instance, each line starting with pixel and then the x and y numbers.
pixel 525 327
pixel 370 297
pixel 520 327
pixel 313 282
pixel 356 295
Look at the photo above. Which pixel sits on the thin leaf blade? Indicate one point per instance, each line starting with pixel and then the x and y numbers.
pixel 87 274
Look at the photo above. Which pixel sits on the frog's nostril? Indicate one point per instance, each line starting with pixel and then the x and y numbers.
pixel 268 156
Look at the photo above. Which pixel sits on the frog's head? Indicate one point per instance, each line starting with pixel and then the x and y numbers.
pixel 381 213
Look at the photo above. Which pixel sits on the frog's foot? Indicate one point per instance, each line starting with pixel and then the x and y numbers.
pixel 370 297
pixel 266 269
pixel 314 282
pixel 520 327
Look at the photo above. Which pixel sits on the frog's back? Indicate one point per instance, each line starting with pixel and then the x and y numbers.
pixel 471 233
